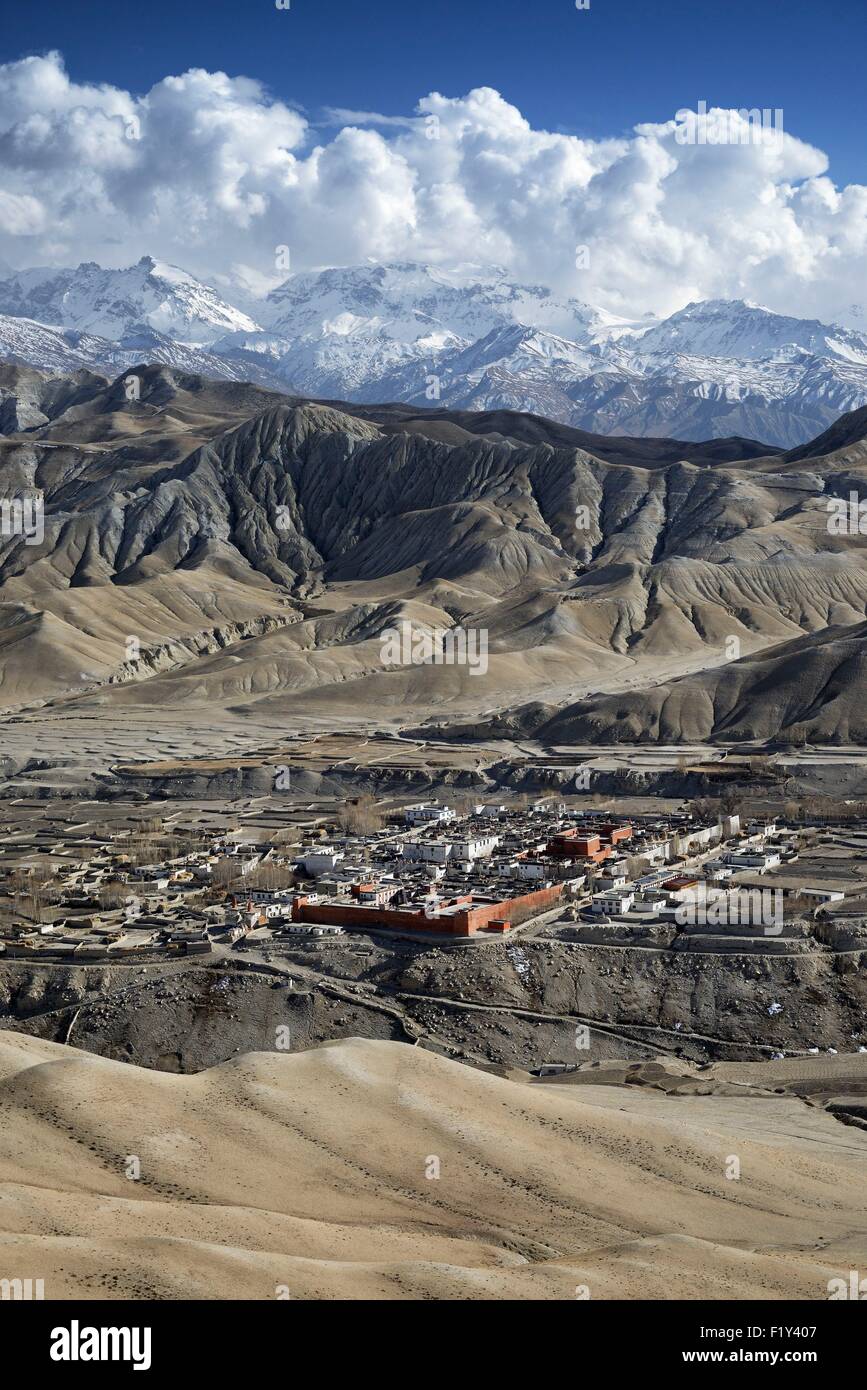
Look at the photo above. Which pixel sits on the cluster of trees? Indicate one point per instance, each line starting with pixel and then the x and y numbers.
pixel 711 808
pixel 31 893
pixel 362 816
pixel 270 877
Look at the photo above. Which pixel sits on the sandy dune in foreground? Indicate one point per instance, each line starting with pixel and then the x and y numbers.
pixel 307 1173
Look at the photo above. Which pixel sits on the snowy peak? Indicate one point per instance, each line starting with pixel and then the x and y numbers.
pixel 465 337
pixel 747 332
pixel 467 303
pixel 380 332
pixel 112 303
pixel 519 349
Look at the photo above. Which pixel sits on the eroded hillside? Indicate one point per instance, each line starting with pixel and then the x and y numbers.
pixel 212 544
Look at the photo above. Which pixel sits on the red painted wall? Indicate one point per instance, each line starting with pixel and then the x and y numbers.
pixel 464 923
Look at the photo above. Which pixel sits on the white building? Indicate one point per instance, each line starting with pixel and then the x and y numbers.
pixel 760 859
pixel 320 861
pixel 426 851
pixel 613 902
pixel 479 847
pixel 276 910
pixel 823 895
pixel 716 870
pixel 429 815
pixel 530 869
pixel 440 851
pixel 307 929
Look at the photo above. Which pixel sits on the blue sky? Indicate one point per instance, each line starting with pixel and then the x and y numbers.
pixel 133 142
pixel 592 73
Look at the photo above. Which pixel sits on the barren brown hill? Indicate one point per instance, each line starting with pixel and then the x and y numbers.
pixel 814 688
pixel 375 1170
pixel 213 544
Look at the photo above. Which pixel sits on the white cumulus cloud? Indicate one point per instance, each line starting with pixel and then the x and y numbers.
pixel 213 173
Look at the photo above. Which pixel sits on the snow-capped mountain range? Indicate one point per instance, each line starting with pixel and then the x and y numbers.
pixel 463 338
pixel 109 303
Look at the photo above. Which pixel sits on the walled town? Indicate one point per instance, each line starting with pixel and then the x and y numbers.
pixel 463 872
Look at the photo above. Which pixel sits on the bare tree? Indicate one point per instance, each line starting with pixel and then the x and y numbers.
pixel 270 877
pixel 361 817
pixel 226 874
pixel 113 896
pixel 636 865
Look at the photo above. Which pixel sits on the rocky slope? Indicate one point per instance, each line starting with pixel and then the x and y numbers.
pixel 811 688
pixel 300 534
pixel 515 1005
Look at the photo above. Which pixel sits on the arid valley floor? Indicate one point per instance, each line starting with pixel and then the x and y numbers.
pixel 326 975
